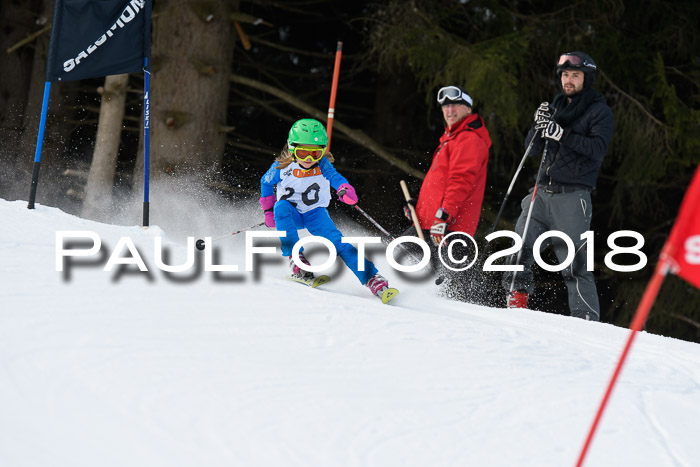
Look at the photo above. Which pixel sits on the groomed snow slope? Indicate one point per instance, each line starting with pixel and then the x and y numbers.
pixel 238 369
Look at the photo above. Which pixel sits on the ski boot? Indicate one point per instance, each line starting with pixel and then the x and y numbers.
pixel 517 299
pixel 379 286
pixel 299 273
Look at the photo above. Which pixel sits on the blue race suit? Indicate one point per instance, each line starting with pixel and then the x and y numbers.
pixel 302 198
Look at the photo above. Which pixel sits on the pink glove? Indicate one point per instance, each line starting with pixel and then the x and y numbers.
pixel 347 194
pixel 270 219
pixel 268 203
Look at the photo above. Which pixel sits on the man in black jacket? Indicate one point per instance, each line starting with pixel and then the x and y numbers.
pixel 573 134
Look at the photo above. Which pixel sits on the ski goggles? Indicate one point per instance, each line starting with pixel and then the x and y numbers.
pixel 308 154
pixel 575 61
pixel 453 94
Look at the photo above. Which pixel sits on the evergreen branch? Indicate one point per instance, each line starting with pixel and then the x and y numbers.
pixel 269 69
pixel 286 6
pixel 634 101
pixel 246 18
pixel 358 136
pixel 273 152
pixel 293 50
pixel 679 72
pixel 542 16
pixel 250 147
pixel 685 319
pixel 262 71
pixel 272 110
pixel 28 39
pixel 440 32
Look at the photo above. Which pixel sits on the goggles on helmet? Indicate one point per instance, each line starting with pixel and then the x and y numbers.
pixel 453 93
pixel 308 154
pixel 574 61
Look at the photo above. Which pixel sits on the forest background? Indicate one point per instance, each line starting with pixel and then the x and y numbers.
pixel 229 78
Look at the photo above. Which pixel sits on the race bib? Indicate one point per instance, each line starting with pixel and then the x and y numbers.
pixel 305 189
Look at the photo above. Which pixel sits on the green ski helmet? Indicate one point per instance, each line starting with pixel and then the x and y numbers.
pixel 307 131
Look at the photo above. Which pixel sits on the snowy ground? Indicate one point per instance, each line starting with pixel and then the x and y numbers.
pixel 233 369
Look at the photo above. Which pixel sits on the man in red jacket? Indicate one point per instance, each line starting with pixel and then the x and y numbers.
pixel 453 189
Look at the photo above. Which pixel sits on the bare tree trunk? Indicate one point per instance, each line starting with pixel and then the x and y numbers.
pixel 98 193
pixel 192 55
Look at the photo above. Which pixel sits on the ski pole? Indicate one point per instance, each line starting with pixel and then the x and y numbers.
pixel 529 213
pixel 385 232
pixel 412 210
pixel 381 229
pixel 200 243
pixel 512 183
pixel 505 198
pixel 416 223
pixel 375 223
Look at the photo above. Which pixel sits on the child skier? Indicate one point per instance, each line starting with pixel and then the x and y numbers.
pixel 304 175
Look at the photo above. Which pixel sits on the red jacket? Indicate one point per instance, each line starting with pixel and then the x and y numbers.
pixel 457 176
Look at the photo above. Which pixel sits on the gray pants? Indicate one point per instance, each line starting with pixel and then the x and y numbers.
pixel 571 214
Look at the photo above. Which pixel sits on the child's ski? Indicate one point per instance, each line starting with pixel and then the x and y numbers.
pixel 388 294
pixel 313 283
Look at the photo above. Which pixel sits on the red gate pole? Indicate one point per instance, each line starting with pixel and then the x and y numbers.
pixel 334 90
pixel 640 317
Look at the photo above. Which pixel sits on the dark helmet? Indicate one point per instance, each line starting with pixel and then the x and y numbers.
pixel 578 61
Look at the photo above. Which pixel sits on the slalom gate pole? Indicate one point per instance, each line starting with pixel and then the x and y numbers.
pixel 529 212
pixel 39 144
pixel 334 90
pixel 512 183
pixel 200 243
pixel 640 316
pixel 146 141
pixel 329 130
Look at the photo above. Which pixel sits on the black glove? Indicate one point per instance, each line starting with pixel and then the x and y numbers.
pixel 439 228
pixel 438 231
pixel 553 131
pixel 543 113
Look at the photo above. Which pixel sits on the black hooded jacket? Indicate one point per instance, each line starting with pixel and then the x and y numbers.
pixel 577 157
